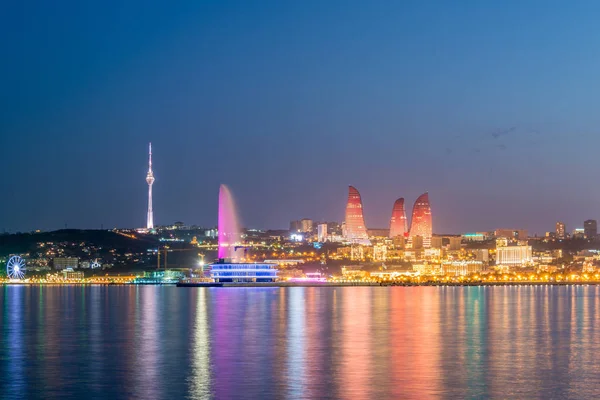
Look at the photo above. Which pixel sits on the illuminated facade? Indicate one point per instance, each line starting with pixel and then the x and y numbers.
pixel 513 256
pixel 561 231
pixel 243 272
pixel 322 232
pixel 150 182
pixel 462 267
pixel 398 222
pixel 420 225
pixel 355 230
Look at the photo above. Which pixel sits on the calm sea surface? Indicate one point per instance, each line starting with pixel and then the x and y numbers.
pixel 151 342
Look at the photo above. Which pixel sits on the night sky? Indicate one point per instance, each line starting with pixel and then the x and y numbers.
pixel 492 107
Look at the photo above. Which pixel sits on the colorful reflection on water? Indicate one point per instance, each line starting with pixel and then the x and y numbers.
pixel 355 343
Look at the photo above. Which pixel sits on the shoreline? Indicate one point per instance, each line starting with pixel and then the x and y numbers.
pixel 308 284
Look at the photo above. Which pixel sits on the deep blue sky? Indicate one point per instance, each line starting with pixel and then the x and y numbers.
pixel 490 106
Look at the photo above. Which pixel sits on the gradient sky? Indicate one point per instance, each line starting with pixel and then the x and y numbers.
pixel 491 106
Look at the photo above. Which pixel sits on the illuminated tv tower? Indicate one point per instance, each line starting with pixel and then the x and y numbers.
pixel 150 181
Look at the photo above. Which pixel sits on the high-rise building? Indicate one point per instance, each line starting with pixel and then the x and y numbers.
pixel 590 228
pixel 322 233
pixel 420 225
pixel 355 230
pixel 150 182
pixel 561 230
pixel 398 222
pixel 295 226
pixel 306 225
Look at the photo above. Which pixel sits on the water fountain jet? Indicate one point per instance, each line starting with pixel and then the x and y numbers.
pixel 230 234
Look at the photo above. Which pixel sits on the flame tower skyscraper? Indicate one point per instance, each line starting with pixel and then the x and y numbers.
pixel 355 229
pixel 398 222
pixel 150 181
pixel 420 225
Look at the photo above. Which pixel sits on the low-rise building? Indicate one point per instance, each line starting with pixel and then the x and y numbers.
pixel 514 256
pixel 462 267
pixel 354 272
pixel 70 275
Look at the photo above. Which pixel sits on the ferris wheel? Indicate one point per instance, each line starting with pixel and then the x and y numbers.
pixel 15 268
pixel 95 264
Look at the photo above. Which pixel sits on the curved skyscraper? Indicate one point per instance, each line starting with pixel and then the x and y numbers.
pixel 398 222
pixel 355 229
pixel 420 225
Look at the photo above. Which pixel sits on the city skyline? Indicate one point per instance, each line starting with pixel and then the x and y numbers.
pixel 354 199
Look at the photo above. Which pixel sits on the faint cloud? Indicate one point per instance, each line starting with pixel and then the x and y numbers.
pixel 504 132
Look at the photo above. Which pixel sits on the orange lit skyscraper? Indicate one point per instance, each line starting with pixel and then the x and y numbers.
pixel 398 223
pixel 420 225
pixel 355 229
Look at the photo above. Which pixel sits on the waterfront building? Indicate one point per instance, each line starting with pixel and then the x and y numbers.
pixel 512 256
pixel 354 272
pixel 590 228
pixel 462 267
pixel 61 263
pixel 398 221
pixel 224 271
pixel 588 268
pixel 159 277
pixel 70 275
pixel 314 277
pixel 561 230
pixel 289 273
pixel 355 229
pixel 150 182
pixel 420 224
pixel 322 233
pixel 428 269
